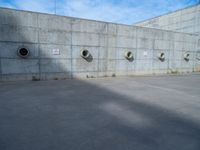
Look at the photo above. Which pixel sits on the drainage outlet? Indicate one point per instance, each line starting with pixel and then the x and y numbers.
pixel 186 56
pixel 128 55
pixel 161 56
pixel 23 52
pixel 85 54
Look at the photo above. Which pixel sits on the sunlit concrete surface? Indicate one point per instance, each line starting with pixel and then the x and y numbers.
pixel 106 42
pixel 129 113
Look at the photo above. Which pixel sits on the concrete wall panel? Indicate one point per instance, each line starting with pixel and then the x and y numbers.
pixel 79 25
pixel 125 42
pixel 145 43
pixel 55 43
pixel 54 23
pixel 87 39
pixel 123 30
pixel 13 33
pixel 76 51
pixel 47 51
pixel 10 50
pixel 19 66
pixel 54 37
pixel 185 20
pixel 82 65
pixel 18 18
pixel 55 65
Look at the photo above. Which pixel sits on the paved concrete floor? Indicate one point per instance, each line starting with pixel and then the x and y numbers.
pixel 141 113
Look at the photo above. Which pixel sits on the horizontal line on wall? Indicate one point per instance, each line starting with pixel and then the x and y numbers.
pixel 100 59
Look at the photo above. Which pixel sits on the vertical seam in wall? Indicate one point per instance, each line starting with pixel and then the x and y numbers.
pixel 153 54
pixel 98 54
pixel 136 53
pixel 173 52
pixel 107 36
pixel 168 54
pixel 194 60
pixel 194 54
pixel 116 49
pixel 38 46
pixel 71 60
pixel 195 12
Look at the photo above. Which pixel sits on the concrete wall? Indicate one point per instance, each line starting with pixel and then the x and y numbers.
pixel 185 20
pixel 107 43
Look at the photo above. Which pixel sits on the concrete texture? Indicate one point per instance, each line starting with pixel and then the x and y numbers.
pixel 142 113
pixel 107 43
pixel 185 20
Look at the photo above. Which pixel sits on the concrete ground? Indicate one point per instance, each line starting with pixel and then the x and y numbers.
pixel 130 113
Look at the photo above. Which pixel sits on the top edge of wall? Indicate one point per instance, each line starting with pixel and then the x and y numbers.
pixel 165 14
pixel 92 20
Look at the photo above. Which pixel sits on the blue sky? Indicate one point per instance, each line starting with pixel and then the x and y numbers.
pixel 119 11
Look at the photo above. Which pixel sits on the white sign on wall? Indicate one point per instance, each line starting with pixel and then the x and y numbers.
pixel 56 52
pixel 145 53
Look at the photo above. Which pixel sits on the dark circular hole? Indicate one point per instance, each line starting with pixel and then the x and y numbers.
pixel 129 54
pixel 162 54
pixel 186 56
pixel 85 53
pixel 23 52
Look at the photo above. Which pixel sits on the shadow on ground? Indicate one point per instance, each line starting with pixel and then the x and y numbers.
pixel 75 115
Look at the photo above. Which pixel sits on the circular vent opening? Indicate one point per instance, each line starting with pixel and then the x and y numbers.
pixel 23 52
pixel 85 54
pixel 161 56
pixel 186 56
pixel 129 55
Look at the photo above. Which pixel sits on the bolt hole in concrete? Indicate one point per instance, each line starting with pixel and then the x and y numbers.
pixel 23 52
pixel 161 56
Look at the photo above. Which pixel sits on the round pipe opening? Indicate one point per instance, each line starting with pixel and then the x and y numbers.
pixel 23 52
pixel 186 56
pixel 161 56
pixel 129 55
pixel 85 53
